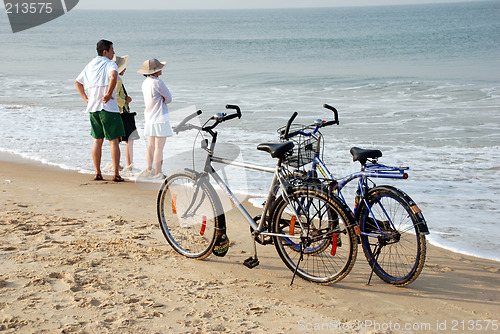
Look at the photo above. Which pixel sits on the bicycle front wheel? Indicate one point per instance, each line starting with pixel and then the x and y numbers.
pixel 391 238
pixel 189 212
pixel 323 250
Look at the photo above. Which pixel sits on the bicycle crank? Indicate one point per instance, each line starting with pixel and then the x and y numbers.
pixel 261 239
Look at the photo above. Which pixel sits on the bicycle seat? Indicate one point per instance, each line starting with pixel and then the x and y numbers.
pixel 361 155
pixel 277 150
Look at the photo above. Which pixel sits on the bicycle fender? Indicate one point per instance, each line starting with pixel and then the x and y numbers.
pixel 192 171
pixel 221 245
pixel 421 222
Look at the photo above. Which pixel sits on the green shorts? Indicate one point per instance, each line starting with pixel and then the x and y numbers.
pixel 106 124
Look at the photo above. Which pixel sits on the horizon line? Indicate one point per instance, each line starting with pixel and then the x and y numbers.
pixel 296 7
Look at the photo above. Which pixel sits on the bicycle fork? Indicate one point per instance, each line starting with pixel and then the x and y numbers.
pixel 363 193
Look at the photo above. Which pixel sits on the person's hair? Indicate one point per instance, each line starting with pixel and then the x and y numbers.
pixel 149 75
pixel 103 45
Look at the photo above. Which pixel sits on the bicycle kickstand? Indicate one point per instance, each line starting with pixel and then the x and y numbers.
pixel 298 262
pixel 252 261
pixel 377 253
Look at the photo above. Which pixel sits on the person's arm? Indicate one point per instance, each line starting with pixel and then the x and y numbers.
pixel 165 93
pixel 111 87
pixel 81 90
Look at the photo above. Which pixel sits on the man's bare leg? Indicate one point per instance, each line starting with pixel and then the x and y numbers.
pixel 97 154
pixel 115 155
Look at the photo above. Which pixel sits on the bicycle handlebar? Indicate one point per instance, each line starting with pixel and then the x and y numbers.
pixel 234 107
pixel 335 115
pixel 287 134
pixel 182 125
pixel 219 118
pixel 287 130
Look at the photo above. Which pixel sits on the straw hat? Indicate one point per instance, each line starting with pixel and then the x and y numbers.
pixel 121 62
pixel 151 66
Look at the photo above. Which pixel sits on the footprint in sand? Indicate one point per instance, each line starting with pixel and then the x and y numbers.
pixel 437 267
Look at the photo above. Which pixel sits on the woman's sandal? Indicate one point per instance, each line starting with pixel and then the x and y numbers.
pixel 118 178
pixel 98 177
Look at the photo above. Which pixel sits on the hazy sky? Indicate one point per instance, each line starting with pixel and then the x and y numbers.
pixel 236 4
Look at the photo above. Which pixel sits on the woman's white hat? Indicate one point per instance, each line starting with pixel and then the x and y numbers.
pixel 121 62
pixel 151 66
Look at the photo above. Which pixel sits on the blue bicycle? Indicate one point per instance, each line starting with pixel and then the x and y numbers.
pixel 392 226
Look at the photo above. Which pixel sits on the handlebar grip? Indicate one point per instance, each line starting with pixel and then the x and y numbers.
pixel 228 117
pixel 235 107
pixel 292 134
pixel 178 128
pixel 287 129
pixel 335 113
pixel 330 123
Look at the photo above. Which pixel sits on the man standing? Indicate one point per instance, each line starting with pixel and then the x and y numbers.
pixel 99 77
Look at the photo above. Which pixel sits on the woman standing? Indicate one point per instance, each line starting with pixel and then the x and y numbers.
pixel 157 121
pixel 128 117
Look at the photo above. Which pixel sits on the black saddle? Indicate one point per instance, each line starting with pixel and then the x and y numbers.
pixel 277 150
pixel 361 155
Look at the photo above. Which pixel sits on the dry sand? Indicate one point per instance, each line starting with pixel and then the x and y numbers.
pixel 81 256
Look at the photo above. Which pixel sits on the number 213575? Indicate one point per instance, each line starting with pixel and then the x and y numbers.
pixel 474 325
pixel 29 8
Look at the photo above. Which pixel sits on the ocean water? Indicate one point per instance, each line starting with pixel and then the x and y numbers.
pixel 420 82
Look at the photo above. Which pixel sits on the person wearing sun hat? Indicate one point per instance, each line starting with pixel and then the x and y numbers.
pixel 156 118
pixel 128 117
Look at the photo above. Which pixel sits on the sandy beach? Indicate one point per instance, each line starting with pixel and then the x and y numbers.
pixel 83 256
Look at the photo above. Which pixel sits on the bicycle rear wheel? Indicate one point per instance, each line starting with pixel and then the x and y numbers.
pixel 396 247
pixel 190 213
pixel 327 251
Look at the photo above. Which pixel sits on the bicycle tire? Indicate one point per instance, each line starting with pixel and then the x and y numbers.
pixel 401 261
pixel 189 213
pixel 327 219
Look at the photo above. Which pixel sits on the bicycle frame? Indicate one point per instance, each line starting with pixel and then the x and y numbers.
pixel 367 171
pixel 373 170
pixel 277 181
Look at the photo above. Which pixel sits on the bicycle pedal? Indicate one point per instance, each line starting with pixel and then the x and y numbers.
pixel 251 262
